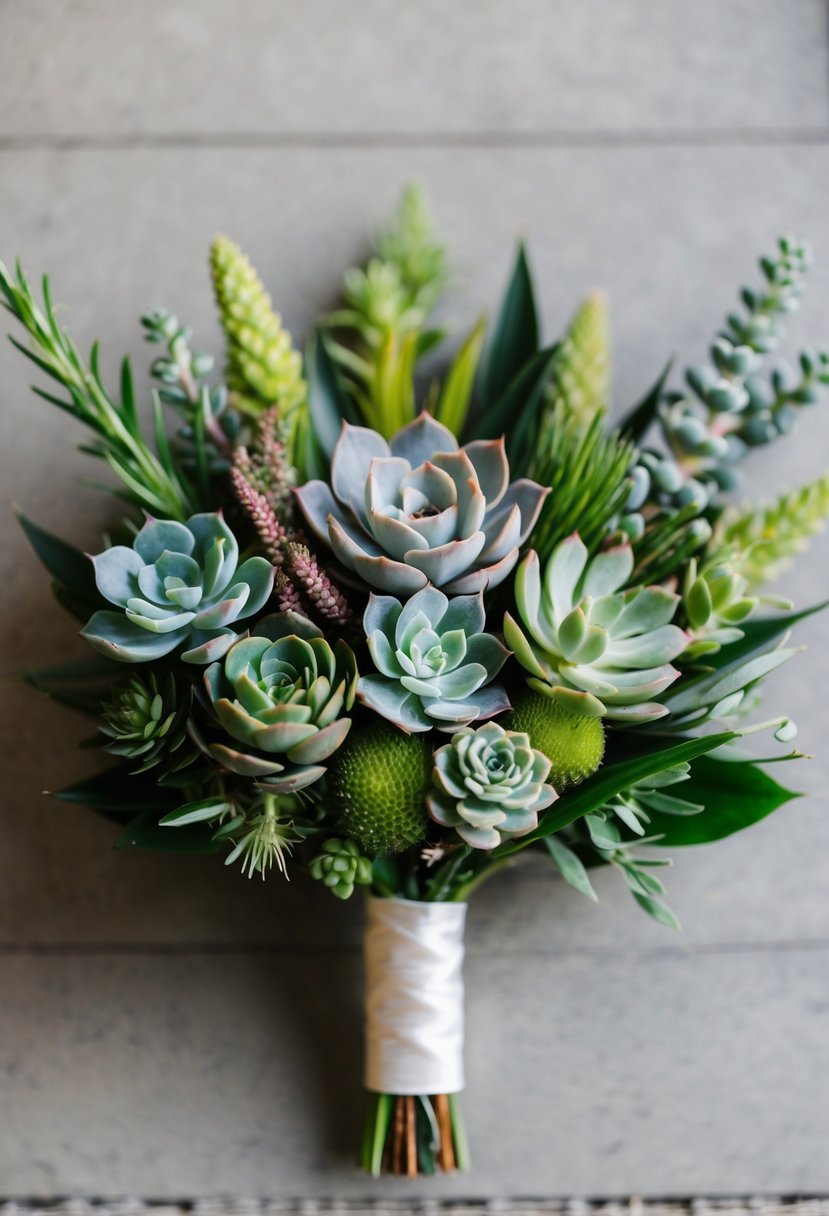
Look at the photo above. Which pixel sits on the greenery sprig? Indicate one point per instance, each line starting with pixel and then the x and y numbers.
pixel 153 480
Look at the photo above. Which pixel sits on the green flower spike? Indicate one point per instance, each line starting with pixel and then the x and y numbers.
pixel 281 695
pixel 340 867
pixel 489 785
pixel 597 650
pixel 377 782
pixel 178 584
pixel 263 368
pixel 435 661
pixel 573 743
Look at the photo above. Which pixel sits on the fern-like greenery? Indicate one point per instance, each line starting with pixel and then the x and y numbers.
pixel 588 471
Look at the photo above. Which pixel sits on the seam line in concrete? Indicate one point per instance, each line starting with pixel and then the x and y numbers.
pixel 518 139
pixel 247 949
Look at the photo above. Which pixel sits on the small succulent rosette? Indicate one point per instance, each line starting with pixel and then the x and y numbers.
pixel 282 696
pixel 490 785
pixel 435 661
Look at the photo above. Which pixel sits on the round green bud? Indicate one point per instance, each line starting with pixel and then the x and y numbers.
pixel 573 743
pixel 378 780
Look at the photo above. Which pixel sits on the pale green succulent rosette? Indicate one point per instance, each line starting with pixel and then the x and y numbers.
pixel 436 663
pixel 489 785
pixel 180 583
pixel 282 696
pixel 421 509
pixel 597 650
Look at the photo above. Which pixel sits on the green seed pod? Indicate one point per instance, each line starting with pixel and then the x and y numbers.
pixel 573 743
pixel 378 781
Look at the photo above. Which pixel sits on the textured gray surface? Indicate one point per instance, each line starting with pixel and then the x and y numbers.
pixel 92 68
pixel 172 1002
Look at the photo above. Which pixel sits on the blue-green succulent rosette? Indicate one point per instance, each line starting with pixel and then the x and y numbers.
pixel 489 785
pixel 180 584
pixel 435 664
pixel 282 697
pixel 421 509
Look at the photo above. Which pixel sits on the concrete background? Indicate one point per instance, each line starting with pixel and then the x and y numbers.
pixel 166 1027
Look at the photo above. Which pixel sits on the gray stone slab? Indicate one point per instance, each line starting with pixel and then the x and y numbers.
pixel 122 231
pixel 201 66
pixel 204 1076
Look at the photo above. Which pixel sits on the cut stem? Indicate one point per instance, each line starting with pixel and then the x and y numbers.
pixel 395 1142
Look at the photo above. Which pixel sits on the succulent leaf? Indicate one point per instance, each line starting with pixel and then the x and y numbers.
pixel 420 509
pixel 147 722
pixel 282 696
pixel 178 584
pixel 340 867
pixel 592 647
pixel 434 660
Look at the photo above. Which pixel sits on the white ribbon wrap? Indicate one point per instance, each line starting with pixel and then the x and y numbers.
pixel 414 997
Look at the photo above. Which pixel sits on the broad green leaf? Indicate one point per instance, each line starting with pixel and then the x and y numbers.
pixel 570 866
pixel 514 338
pixel 735 794
pixel 67 565
pixel 611 780
pixel 145 832
pixel 116 790
pixel 453 404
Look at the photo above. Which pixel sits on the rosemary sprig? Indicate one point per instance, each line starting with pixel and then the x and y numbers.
pixel 152 479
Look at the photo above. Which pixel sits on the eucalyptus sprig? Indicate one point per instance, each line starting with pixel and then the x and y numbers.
pixel 153 480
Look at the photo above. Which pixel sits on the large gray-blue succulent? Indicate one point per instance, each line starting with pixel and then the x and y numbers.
pixel 179 584
pixel 435 662
pixel 421 509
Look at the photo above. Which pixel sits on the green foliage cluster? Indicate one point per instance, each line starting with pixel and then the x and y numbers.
pixel 647 501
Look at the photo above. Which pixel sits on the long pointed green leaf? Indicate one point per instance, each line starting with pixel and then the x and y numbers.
pixel 71 568
pixel 455 398
pixel 514 338
pixel 611 780
pixel 328 402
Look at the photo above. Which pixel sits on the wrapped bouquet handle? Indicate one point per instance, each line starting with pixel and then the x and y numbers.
pixel 414 1034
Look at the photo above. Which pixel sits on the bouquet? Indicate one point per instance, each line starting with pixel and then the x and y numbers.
pixel 397 619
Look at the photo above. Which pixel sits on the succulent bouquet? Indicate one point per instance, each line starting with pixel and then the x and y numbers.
pixel 397 622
